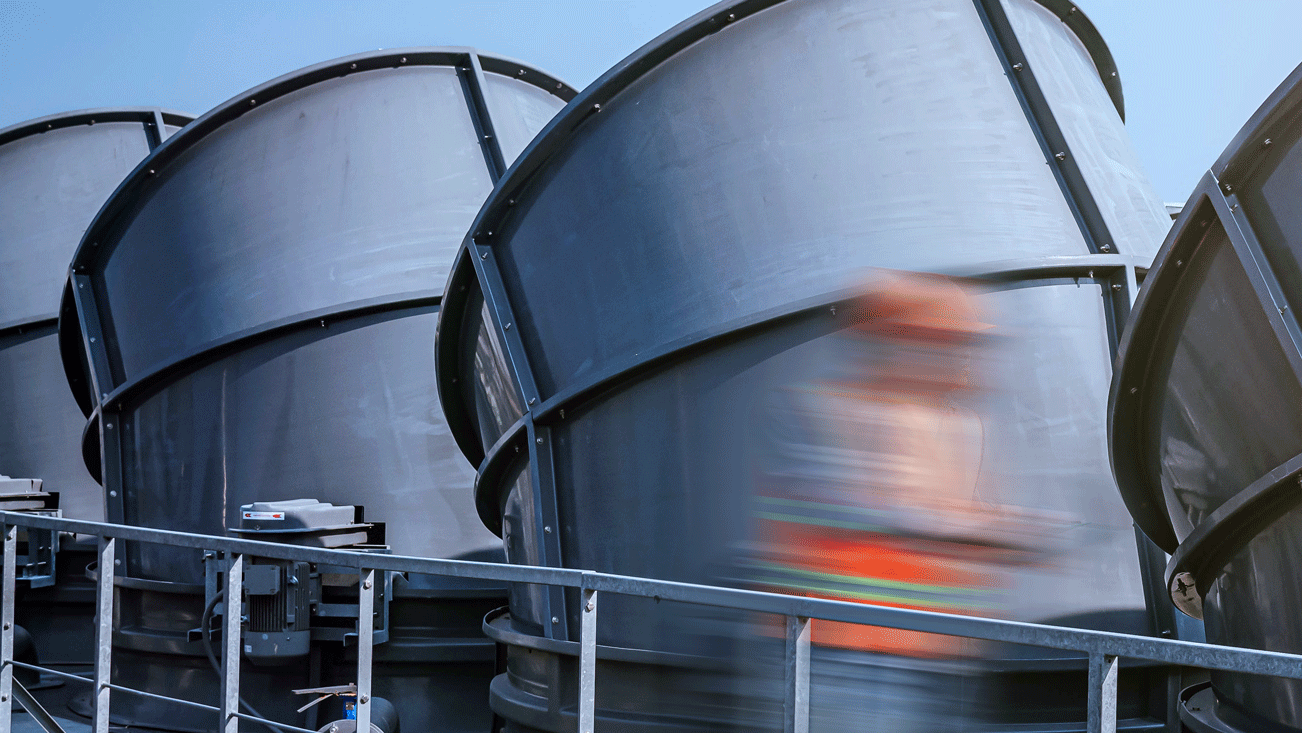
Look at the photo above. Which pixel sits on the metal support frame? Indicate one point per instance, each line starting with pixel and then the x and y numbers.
pixel 1102 714
pixel 365 625
pixel 588 661
pixel 1039 114
pixel 104 632
pixel 795 705
pixel 231 656
pixel 1104 649
pixel 7 589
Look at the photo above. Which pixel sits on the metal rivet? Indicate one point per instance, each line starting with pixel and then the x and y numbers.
pixel 1072 11
pixel 533 400
pixel 483 255
pixel 92 122
pixel 590 607
pixel 1178 263
pixel 1282 308
pixel 547 529
pixel 732 17
pixel 49 127
pixel 1114 75
pixel 1265 143
pixel 1018 66
pixel 596 107
pixel 117 562
pixel 92 339
pixel 510 202
pixel 521 72
pixel 1134 390
pixel 252 102
pixel 113 493
pixel 1227 188
pixel 108 426
pixel 402 60
pixel 1116 288
pixel 1060 156
pixel 507 327
pixel 833 310
pixel 151 171
pixel 366 585
pixel 1090 273
pixel 559 85
pixel 352 66
pixel 562 414
pixel 1105 248
pixel 81 285
pixel 539 441
pixel 323 323
pixel 555 620
pixel 364 699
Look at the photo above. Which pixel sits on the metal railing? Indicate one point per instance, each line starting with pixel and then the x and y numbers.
pixel 1104 649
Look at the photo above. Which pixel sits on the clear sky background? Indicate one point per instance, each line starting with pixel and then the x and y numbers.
pixel 1193 70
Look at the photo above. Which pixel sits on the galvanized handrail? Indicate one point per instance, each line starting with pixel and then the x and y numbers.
pixel 1103 648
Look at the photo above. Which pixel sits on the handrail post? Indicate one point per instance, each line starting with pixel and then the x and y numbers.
pixel 9 581
pixel 230 721
pixel 365 629
pixel 104 631
pixel 1102 714
pixel 795 706
pixel 588 661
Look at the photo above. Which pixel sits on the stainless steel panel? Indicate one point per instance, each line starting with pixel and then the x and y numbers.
pixel 346 414
pixel 1220 377
pixel 40 425
pixel 348 189
pixel 519 111
pixel 1135 215
pixel 730 180
pixel 51 185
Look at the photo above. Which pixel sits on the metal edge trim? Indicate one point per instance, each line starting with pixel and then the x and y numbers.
pixel 1244 150
pixel 144 115
pixel 1127 395
pixel 1235 523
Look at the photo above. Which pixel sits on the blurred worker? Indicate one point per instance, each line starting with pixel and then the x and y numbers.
pixel 870 495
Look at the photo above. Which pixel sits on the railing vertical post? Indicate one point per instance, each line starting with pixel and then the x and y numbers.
pixel 365 630
pixel 588 661
pixel 230 722
pixel 9 581
pixel 104 631
pixel 795 706
pixel 1102 714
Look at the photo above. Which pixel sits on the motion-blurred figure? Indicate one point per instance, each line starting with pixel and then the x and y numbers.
pixel 870 494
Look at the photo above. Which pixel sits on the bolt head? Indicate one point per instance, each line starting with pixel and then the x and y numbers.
pixel 547 529
pixel 366 585
pixel 555 620
pixel 364 699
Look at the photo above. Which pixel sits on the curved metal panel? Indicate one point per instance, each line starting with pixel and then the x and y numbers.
pixel 41 425
pixel 280 213
pixel 1204 441
pixel 345 413
pixel 51 185
pixel 55 174
pixel 662 226
pixel 1135 215
pixel 670 254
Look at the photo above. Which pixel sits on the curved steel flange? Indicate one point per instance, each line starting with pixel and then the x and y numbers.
pixel 1198 561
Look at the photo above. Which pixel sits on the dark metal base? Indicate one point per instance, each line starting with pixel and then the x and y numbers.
pixel 1202 712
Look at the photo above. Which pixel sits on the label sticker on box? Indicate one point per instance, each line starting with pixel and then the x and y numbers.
pixel 274 516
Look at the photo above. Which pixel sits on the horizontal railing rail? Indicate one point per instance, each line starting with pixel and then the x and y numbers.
pixel 1102 648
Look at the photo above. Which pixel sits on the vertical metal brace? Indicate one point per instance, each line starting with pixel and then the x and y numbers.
pixel 588 662
pixel 7 622
pixel 104 631
pixel 547 525
pixel 1102 714
pixel 230 722
pixel 365 629
pixel 1040 117
pixel 795 706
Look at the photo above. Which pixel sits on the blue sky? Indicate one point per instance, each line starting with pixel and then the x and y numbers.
pixel 1193 70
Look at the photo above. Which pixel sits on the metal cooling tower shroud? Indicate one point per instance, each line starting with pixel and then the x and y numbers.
pixel 1205 436
pixel 251 318
pixel 675 246
pixel 55 173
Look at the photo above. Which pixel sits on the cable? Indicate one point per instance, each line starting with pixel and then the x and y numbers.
pixel 205 628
